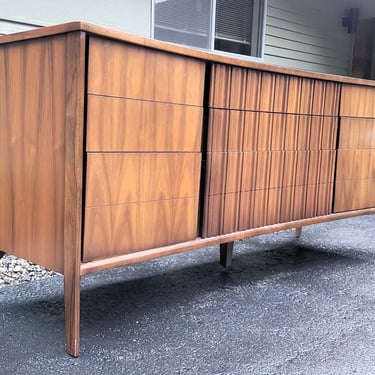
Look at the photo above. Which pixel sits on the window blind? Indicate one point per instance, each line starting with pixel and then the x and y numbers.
pixel 184 21
pixel 234 19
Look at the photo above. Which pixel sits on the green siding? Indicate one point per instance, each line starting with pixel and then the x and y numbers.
pixel 308 35
pixel 126 15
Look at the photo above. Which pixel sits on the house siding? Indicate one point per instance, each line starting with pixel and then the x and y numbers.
pixel 10 27
pixel 125 15
pixel 307 35
pixel 300 34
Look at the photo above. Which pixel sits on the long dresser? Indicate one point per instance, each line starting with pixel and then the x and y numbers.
pixel 116 149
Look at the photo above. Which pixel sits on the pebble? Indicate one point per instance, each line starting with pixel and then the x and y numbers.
pixel 14 270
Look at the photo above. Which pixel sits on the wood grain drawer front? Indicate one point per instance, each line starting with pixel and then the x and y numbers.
pixel 357 101
pixel 115 124
pixel 270 92
pixel 126 178
pixel 355 179
pixel 135 72
pixel 354 194
pixel 128 228
pixel 355 164
pixel 357 133
pixel 355 174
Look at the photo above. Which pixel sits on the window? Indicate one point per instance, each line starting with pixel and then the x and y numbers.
pixel 232 26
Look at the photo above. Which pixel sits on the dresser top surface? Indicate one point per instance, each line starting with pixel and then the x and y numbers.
pixel 105 32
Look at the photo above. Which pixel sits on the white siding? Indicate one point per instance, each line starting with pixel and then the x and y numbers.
pixel 126 15
pixel 10 27
pixel 308 35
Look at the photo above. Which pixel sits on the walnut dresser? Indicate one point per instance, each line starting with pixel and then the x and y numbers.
pixel 116 149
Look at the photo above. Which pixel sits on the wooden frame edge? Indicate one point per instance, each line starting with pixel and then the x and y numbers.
pixel 141 256
pixel 76 45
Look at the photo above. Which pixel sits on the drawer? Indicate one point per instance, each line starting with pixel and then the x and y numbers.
pixel 234 131
pixel 123 229
pixel 354 194
pixel 128 178
pixel 115 124
pixel 136 72
pixel 355 164
pixel 231 212
pixel 357 101
pixel 269 92
pixel 357 133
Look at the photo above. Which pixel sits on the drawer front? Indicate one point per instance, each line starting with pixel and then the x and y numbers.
pixel 270 92
pixel 357 101
pixel 354 194
pixel 116 124
pixel 135 72
pixel 265 168
pixel 357 133
pixel 114 179
pixel 355 174
pixel 144 135
pixel 128 228
pixel 136 201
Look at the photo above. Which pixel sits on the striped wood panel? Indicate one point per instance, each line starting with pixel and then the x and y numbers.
pixel 271 149
pixel 247 89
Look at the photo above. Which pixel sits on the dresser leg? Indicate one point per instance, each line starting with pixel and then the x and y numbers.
pixel 226 253
pixel 72 312
pixel 298 232
pixel 1 254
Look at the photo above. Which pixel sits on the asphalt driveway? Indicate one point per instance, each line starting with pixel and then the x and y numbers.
pixel 287 306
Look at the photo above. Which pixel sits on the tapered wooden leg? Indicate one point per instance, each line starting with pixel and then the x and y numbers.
pixel 72 313
pixel 226 253
pixel 1 254
pixel 298 232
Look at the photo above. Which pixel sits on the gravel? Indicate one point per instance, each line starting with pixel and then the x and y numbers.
pixel 14 270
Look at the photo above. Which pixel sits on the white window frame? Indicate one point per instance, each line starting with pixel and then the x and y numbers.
pixel 258 38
